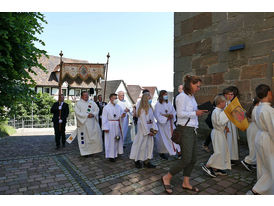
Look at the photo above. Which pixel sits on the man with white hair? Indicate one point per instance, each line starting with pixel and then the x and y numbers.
pixel 127 108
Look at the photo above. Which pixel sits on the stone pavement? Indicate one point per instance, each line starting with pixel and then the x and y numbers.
pixel 31 165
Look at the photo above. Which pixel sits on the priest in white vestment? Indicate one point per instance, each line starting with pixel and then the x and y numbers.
pixel 142 147
pixel 127 108
pixel 165 115
pixel 112 120
pixel 264 142
pixel 88 130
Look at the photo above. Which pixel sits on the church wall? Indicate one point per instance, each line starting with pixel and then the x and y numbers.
pixel 201 47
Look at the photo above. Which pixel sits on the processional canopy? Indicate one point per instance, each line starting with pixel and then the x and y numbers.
pixel 78 72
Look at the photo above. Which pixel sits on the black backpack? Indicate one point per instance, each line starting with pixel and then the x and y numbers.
pixel 208 120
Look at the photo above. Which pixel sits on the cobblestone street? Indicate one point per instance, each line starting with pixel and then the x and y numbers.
pixel 31 165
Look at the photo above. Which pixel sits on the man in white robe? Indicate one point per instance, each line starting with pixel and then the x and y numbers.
pixel 232 135
pixel 127 108
pixel 165 115
pixel 112 119
pixel 89 132
pixel 264 142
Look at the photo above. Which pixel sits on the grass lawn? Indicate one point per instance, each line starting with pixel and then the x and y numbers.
pixel 6 130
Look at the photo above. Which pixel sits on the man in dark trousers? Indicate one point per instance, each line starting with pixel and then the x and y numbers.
pixel 63 120
pixel 101 105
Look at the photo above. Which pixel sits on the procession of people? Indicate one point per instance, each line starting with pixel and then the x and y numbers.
pixel 104 127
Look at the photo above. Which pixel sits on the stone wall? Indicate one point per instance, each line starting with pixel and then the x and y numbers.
pixel 201 47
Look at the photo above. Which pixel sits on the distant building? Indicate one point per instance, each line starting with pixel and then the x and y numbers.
pixel 135 92
pixel 114 86
pixel 154 93
pixel 71 92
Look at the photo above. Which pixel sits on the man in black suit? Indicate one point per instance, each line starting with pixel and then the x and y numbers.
pixel 101 105
pixel 63 120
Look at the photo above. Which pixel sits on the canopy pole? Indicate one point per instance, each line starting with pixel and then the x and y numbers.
pixel 106 77
pixel 60 86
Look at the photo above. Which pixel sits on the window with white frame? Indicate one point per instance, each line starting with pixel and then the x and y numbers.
pixel 77 92
pixel 71 92
pixel 64 92
pixel 46 90
pixel 54 91
pixel 39 89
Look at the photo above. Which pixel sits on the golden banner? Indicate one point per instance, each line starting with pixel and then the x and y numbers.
pixel 236 114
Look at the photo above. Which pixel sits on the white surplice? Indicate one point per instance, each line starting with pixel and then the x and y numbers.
pixel 112 121
pixel 165 126
pixel 251 134
pixel 220 159
pixel 142 147
pixel 88 130
pixel 264 147
pixel 124 104
pixel 232 140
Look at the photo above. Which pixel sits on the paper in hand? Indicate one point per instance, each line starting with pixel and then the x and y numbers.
pixel 206 106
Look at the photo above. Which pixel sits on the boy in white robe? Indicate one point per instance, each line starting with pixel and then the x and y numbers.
pixel 88 130
pixel 112 126
pixel 127 110
pixel 264 143
pixel 142 147
pixel 232 135
pixel 165 115
pixel 219 161
pixel 249 162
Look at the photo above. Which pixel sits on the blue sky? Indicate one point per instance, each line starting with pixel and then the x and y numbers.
pixel 140 44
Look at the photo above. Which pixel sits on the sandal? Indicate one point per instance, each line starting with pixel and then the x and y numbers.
pixel 167 187
pixel 194 189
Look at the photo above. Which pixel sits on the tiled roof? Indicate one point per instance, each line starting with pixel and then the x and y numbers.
pixel 151 89
pixel 134 91
pixel 50 63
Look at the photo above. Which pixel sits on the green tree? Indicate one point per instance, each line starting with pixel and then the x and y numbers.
pixel 18 55
pixel 40 107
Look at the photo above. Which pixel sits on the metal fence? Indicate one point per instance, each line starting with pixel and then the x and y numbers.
pixel 38 121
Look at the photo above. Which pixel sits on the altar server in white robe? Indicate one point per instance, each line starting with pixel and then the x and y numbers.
pixel 112 120
pixel 219 161
pixel 249 162
pixel 264 142
pixel 88 130
pixel 232 135
pixel 127 108
pixel 165 115
pixel 142 147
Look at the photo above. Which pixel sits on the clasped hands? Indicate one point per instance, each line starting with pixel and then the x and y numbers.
pixel 168 116
pixel 90 115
